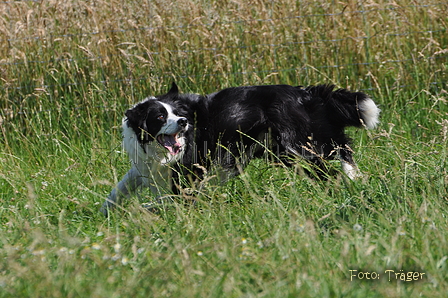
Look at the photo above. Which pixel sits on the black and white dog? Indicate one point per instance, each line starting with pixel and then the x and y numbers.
pixel 170 135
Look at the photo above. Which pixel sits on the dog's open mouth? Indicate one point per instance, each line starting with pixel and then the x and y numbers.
pixel 170 142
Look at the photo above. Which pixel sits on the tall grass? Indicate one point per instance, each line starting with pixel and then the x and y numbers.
pixel 69 69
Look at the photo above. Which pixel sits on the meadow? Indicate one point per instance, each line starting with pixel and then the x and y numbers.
pixel 69 70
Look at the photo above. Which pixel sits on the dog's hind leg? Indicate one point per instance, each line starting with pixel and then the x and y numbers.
pixel 348 163
pixel 130 182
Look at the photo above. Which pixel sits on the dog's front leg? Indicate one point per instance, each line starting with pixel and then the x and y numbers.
pixel 124 189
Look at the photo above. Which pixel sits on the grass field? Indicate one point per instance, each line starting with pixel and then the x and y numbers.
pixel 69 69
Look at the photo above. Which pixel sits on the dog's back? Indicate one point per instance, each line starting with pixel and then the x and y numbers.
pixel 294 116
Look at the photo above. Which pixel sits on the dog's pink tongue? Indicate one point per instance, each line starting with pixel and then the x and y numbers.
pixel 169 142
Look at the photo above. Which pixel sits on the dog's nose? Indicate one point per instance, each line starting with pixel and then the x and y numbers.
pixel 182 122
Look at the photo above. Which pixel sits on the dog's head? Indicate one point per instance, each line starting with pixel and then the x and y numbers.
pixel 160 123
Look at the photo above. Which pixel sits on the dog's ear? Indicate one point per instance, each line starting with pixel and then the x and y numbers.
pixel 137 114
pixel 174 89
pixel 136 118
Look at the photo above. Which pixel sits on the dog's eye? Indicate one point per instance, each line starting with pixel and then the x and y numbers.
pixel 161 117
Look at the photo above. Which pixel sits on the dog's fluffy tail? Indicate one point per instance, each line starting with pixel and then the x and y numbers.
pixel 346 108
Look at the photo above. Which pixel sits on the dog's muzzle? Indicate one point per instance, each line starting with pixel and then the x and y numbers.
pixel 171 141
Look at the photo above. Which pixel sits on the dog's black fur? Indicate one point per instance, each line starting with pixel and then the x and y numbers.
pixel 228 127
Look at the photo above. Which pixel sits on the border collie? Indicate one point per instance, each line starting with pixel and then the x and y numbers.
pixel 175 134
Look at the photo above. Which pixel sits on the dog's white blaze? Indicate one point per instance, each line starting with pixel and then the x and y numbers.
pixel 370 113
pixel 171 125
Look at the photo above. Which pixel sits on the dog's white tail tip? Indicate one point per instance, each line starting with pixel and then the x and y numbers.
pixel 369 113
